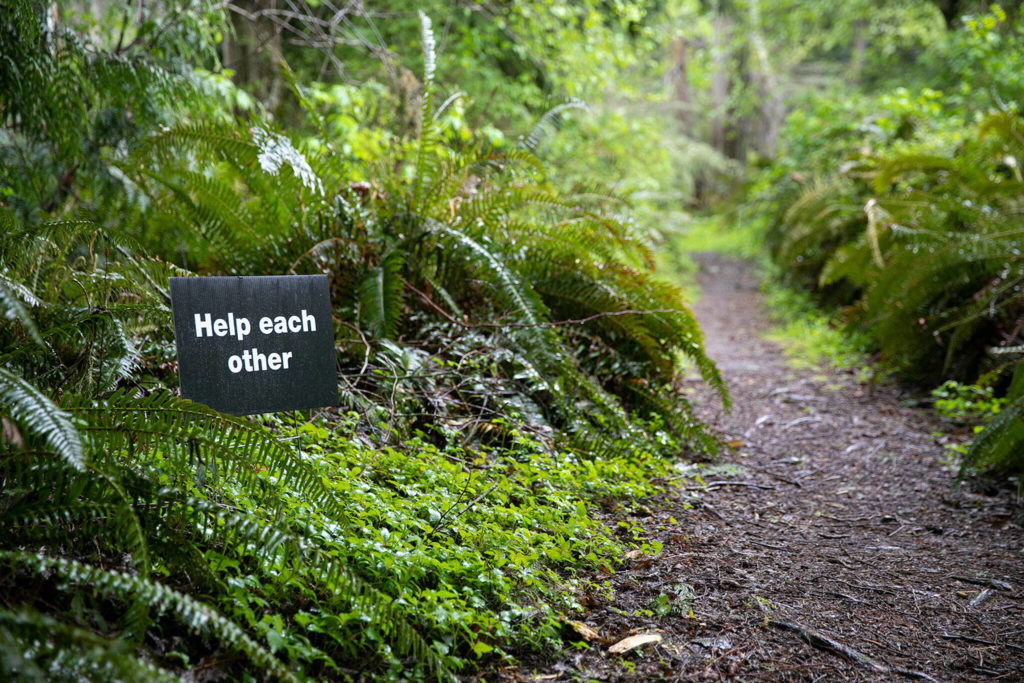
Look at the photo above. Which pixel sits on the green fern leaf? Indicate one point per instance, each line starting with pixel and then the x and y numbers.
pixel 28 406
pixel 33 646
pixel 380 297
pixel 195 615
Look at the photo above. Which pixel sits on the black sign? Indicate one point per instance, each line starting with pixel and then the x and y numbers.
pixel 255 344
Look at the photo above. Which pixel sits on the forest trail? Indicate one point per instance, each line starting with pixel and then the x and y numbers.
pixel 829 544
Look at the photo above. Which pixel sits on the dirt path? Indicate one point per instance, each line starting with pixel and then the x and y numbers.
pixel 835 551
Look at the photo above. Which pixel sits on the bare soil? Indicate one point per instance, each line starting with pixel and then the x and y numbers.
pixel 829 544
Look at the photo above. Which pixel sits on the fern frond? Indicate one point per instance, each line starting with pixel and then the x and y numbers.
pixel 30 408
pixel 1000 445
pixel 213 141
pixel 46 520
pixel 380 297
pixel 892 169
pixel 34 646
pixel 404 638
pixel 214 212
pixel 239 449
pixel 195 615
pixel 15 299
pixel 429 135
pixel 551 119
pixel 524 302
pixel 276 150
pixel 428 47
pixel 245 536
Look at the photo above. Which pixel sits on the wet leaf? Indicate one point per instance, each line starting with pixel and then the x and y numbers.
pixel 633 642
pixel 586 632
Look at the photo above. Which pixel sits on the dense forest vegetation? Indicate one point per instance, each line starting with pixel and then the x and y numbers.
pixel 489 188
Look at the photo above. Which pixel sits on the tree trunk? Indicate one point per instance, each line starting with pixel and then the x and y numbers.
pixel 950 11
pixel 860 50
pixel 772 108
pixel 720 78
pixel 681 85
pixel 253 52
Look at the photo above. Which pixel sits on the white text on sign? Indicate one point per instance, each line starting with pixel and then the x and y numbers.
pixel 208 326
pixel 252 360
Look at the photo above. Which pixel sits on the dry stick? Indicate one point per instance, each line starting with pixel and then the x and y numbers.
pixel 981 598
pixel 791 482
pixel 848 597
pixel 715 484
pixel 826 644
pixel 970 639
pixel 770 546
pixel 705 506
pixel 362 338
pixel 993 583
pixel 441 522
pixel 462 494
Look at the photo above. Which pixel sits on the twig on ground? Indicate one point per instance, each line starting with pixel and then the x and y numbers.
pixel 715 484
pixel 848 597
pixel 708 508
pixel 979 641
pixel 769 545
pixel 991 583
pixel 784 480
pixel 827 644
pixel 981 598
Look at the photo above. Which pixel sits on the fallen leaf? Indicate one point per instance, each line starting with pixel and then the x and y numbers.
pixel 735 443
pixel 10 434
pixel 633 642
pixel 585 631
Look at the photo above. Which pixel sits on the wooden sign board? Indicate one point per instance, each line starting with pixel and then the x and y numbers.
pixel 255 344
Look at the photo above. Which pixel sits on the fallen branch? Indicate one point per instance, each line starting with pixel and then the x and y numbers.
pixel 791 482
pixel 823 642
pixel 833 646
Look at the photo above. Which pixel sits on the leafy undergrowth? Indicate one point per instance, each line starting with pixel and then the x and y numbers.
pixel 295 549
pixel 483 546
pixel 809 336
pixel 508 363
